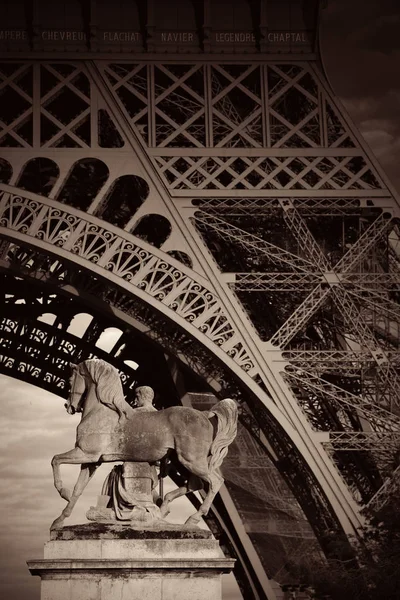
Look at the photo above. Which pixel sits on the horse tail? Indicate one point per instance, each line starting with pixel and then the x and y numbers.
pixel 227 415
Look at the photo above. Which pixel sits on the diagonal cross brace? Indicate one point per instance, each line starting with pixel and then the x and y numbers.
pixel 252 242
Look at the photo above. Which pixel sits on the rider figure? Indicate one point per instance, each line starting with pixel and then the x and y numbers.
pixel 144 399
pixel 144 396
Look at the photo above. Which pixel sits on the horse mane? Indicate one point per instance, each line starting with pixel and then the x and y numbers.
pixel 109 388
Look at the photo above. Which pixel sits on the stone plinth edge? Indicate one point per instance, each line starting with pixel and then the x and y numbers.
pixel 216 565
pixel 115 531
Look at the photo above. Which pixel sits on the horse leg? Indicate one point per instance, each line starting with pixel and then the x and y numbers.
pixel 85 475
pixel 193 484
pixel 74 456
pixel 198 467
pixel 214 481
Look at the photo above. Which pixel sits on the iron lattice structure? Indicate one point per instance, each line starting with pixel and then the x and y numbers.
pixel 226 216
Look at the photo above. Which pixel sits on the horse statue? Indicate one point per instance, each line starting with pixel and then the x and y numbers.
pixel 111 430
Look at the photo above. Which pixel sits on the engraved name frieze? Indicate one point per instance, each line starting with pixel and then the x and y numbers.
pixel 171 37
pixel 177 37
pixel 234 37
pixel 60 35
pixel 13 35
pixel 285 37
pixel 121 36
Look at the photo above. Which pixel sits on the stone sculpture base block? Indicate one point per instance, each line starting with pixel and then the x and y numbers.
pixel 99 561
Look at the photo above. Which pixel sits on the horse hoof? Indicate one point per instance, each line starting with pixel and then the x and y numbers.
pixel 192 521
pixel 66 494
pixel 164 511
pixel 57 524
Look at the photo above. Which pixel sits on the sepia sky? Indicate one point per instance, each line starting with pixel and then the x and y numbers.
pixel 360 42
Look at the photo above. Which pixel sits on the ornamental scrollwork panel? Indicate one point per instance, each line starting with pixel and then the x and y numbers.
pixel 93 242
pixel 28 368
pixel 56 226
pixel 7 325
pixel 218 328
pixel 38 335
pixel 241 357
pixel 19 214
pixel 55 381
pixel 127 260
pixel 162 280
pixel 6 362
pixel 194 302
pixel 68 347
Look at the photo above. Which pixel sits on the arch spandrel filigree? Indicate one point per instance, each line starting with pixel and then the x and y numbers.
pixel 155 273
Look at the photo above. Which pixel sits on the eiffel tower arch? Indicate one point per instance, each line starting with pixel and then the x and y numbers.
pixel 191 183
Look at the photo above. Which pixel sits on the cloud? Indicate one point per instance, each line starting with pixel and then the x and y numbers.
pixel 33 426
pixel 386 145
pixel 383 34
pixel 361 52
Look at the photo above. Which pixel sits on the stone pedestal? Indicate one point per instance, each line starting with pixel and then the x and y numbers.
pixel 99 561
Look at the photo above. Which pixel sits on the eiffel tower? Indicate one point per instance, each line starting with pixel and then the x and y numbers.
pixel 181 177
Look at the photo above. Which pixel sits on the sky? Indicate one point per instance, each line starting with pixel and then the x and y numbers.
pixel 361 49
pixel 361 52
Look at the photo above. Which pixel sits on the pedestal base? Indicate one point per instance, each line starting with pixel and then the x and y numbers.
pixel 106 562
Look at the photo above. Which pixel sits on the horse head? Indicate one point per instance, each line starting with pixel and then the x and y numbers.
pixel 78 387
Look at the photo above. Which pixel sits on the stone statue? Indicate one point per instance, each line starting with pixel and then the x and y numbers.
pixel 111 431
